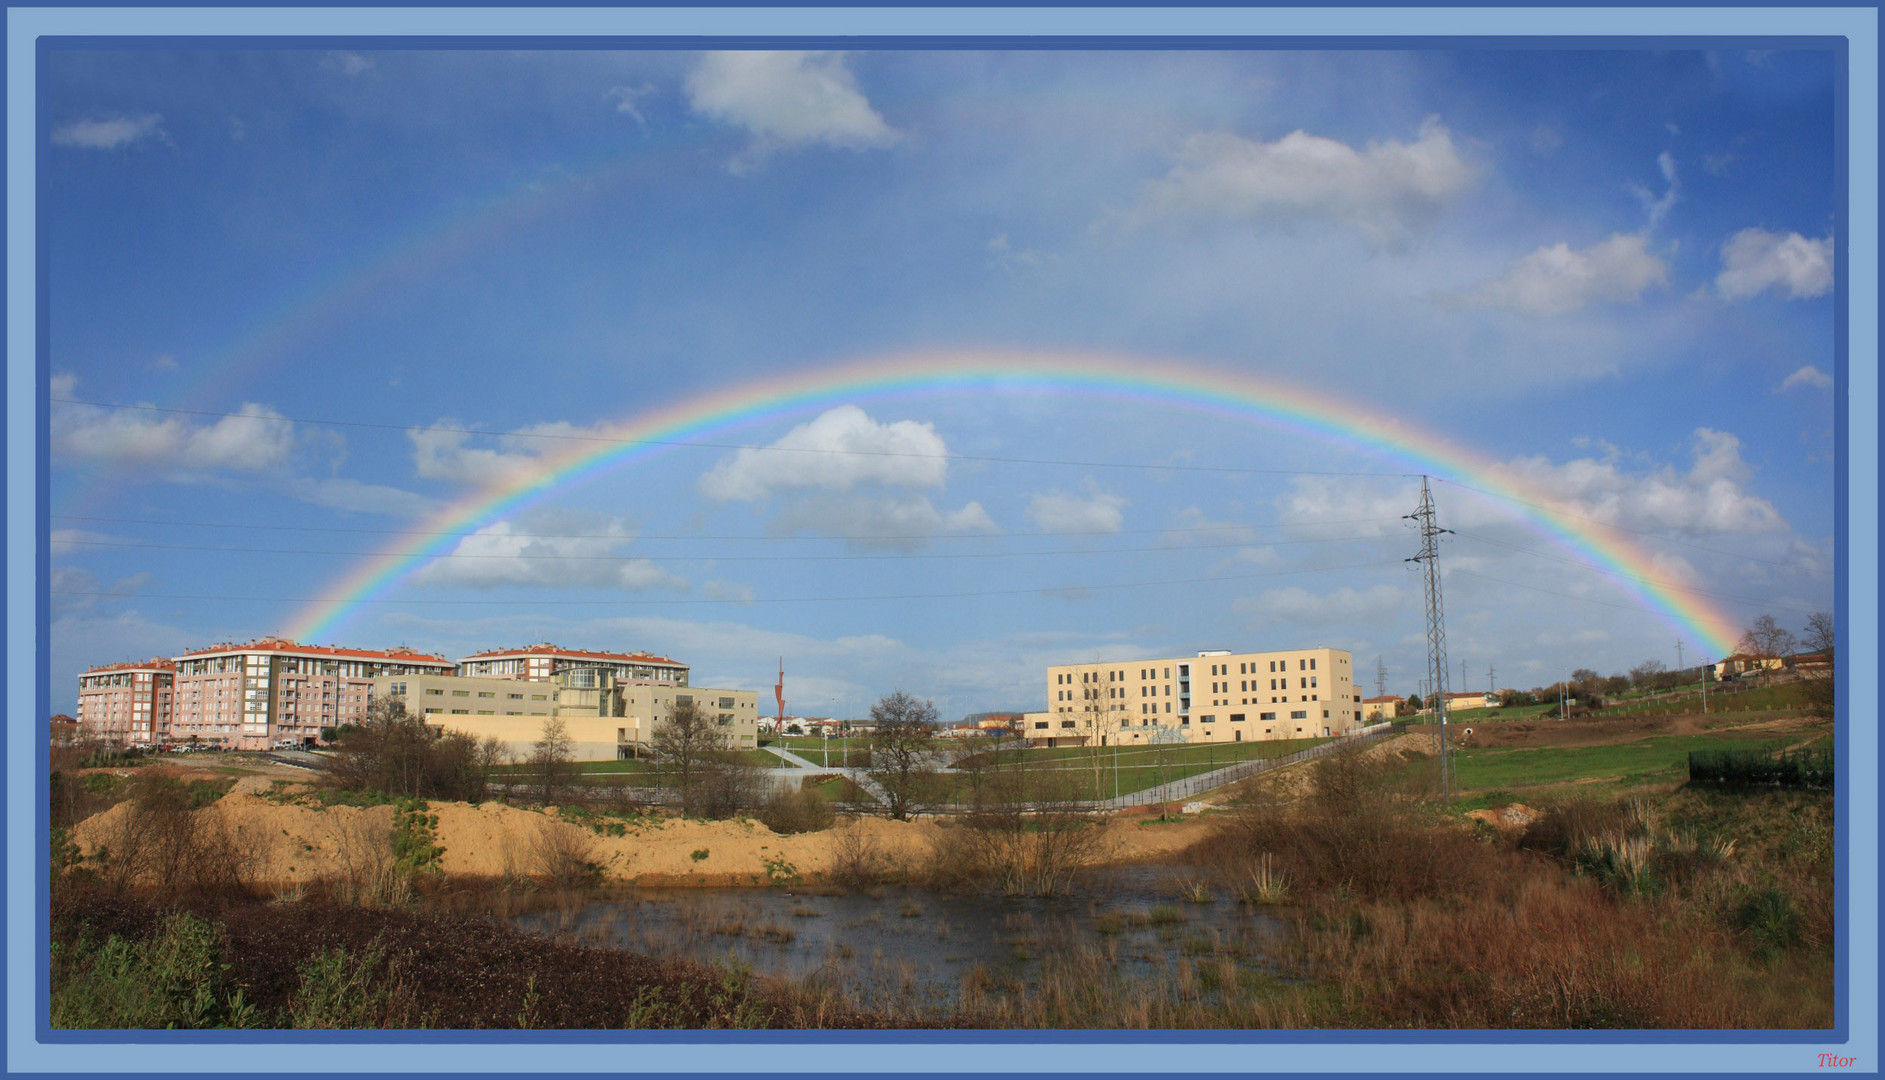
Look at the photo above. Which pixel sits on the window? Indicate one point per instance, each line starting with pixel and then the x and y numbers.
pixel 1266 716
pixel 1236 718
pixel 1312 664
pixel 1040 723
pixel 537 697
pixel 486 693
pixel 461 693
pixel 1299 714
pixel 1206 719
pixel 515 697
pixel 460 712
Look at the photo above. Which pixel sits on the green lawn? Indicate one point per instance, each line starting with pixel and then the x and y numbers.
pixel 1105 771
pixel 1652 760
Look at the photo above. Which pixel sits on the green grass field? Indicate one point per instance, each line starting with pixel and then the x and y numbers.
pixel 1106 771
pixel 1657 759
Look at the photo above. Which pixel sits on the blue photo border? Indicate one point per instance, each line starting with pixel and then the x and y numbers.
pixel 1390 1051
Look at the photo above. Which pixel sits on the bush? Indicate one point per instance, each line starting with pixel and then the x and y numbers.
pixel 799 811
pixel 173 979
pixel 1756 768
pixel 340 990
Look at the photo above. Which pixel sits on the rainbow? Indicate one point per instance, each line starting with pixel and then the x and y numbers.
pixel 1212 391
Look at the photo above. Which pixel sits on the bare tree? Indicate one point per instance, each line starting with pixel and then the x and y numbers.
pixel 1822 634
pixel 903 727
pixel 552 759
pixel 1645 675
pixel 1766 642
pixel 690 743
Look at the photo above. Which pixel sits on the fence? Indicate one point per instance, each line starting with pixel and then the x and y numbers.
pixel 1192 786
pixel 1755 768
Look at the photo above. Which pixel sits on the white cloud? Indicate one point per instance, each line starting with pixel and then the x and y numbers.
pixel 894 523
pixel 1344 605
pixel 582 551
pixel 1556 280
pixel 164 362
pixel 255 439
pixel 1383 188
pixel 1058 511
pixel 1755 260
pixel 736 591
pixel 440 452
pixel 1709 498
pixel 786 99
pixel 1658 207
pixel 340 493
pixel 626 98
pixel 840 450
pixel 65 541
pixel 1808 376
pixel 1193 526
pixel 108 134
pixel 349 63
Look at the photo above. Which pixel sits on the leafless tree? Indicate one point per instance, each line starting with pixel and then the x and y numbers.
pixel 1766 641
pixel 1822 634
pixel 552 760
pixel 903 727
pixel 689 744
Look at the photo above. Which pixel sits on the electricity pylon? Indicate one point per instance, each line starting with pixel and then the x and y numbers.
pixel 1429 557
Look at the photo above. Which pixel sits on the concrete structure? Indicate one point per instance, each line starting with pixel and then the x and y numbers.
pixel 127 704
pixel 1381 708
pixel 1215 696
pixel 542 662
pixel 606 718
pixel 249 697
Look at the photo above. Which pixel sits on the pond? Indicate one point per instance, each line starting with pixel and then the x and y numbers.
pixel 916 948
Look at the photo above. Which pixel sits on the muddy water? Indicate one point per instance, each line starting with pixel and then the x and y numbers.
pixel 915 948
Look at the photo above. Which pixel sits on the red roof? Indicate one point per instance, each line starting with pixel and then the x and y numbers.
pixel 155 664
pixel 61 718
pixel 546 649
pixel 1381 700
pixel 283 645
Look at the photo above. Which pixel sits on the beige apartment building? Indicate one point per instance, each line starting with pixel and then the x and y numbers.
pixel 1215 696
pixel 607 717
pixel 127 704
pixel 249 697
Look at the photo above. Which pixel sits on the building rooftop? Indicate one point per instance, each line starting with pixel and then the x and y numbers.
pixel 285 645
pixel 1381 700
pixel 547 649
pixel 153 664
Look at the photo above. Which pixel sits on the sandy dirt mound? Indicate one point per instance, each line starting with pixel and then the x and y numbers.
pixel 291 842
pixel 1514 818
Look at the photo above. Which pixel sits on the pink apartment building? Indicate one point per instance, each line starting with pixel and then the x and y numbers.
pixel 252 696
pixel 127 704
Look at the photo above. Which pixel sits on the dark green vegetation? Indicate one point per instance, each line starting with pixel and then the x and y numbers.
pixel 1749 768
pixel 1647 760
pixel 121 962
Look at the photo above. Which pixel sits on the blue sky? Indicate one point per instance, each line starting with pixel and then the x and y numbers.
pixel 1611 272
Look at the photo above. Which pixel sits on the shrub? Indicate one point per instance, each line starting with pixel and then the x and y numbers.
pixel 799 811
pixel 173 979
pixel 339 990
pixel 563 854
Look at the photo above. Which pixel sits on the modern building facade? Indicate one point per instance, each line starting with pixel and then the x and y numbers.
pixel 250 697
pixel 1215 696
pixel 606 718
pixel 127 704
pixel 1381 708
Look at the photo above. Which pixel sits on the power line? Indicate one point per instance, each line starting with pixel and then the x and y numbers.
pixel 607 440
pixel 701 537
pixel 708 558
pixel 1035 590
pixel 1592 600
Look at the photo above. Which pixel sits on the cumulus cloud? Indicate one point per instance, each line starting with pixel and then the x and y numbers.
pixel 1058 511
pixel 840 450
pixel 786 99
pixel 1384 188
pixel 1755 260
pixel 1193 526
pixel 626 98
pixel 1808 376
pixel 255 439
pixel 443 451
pixel 569 551
pixel 1556 280
pixel 1344 605
pixel 348 63
pixel 894 523
pixel 1711 497
pixel 109 133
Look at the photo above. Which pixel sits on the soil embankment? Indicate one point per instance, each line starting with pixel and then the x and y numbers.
pixel 290 842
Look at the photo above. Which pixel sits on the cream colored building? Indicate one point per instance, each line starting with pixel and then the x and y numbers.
pixel 1215 696
pixel 1381 708
pixel 607 718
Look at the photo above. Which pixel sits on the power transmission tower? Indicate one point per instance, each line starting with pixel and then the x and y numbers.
pixel 1429 558
pixel 1380 677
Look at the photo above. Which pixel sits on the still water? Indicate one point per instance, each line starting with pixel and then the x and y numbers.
pixel 915 947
